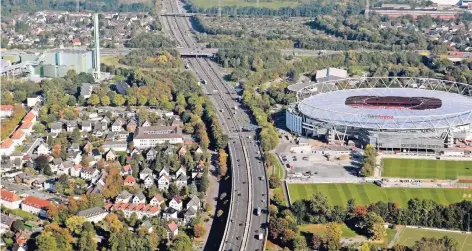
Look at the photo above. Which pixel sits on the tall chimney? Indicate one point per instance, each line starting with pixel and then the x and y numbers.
pixel 97 46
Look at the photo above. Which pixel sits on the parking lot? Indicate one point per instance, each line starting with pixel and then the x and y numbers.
pixel 319 166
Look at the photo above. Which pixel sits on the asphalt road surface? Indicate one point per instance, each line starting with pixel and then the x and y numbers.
pixel 243 224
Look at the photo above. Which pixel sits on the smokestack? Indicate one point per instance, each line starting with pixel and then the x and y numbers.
pixel 97 46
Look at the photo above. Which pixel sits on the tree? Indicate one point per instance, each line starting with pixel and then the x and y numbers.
pixel 94 99
pixel 46 242
pixel 52 210
pixel 222 162
pixel 198 230
pixel 18 226
pixel 332 238
pixel 132 100
pixel 274 181
pixel 112 223
pixel 105 100
pixel 375 226
pixel 433 244
pixel 41 163
pixel 300 244
pixel 181 243
pixel 87 241
pixel 74 224
pixel 119 100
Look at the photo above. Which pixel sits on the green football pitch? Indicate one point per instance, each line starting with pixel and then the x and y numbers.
pixel 426 169
pixel 364 194
pixel 409 236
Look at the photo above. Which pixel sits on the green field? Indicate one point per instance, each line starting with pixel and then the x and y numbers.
pixel 319 229
pixel 364 194
pixel 205 4
pixel 409 235
pixel 426 169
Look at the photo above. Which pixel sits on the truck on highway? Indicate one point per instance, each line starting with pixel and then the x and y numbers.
pixel 215 91
pixel 260 236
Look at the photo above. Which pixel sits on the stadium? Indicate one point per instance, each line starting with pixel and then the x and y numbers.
pixel 392 113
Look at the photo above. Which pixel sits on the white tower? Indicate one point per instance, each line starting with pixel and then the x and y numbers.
pixel 97 46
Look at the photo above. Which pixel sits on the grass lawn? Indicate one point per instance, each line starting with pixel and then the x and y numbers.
pixel 409 235
pixel 279 190
pixel 319 229
pixel 426 169
pixel 205 4
pixel 279 170
pixel 339 194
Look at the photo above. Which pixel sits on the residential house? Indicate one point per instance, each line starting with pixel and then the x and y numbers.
pixel 194 203
pixel 6 222
pixel 116 145
pixel 94 214
pixel 33 101
pixel 139 198
pixel 96 154
pixel 172 230
pixel 181 171
pixel 182 151
pixel 126 170
pixel 55 164
pixel 148 181
pixel 163 182
pixel 129 181
pixel 65 168
pixel 43 149
pixel 88 173
pixel 169 213
pixel 76 42
pixel 124 197
pixel 144 173
pixel 131 126
pixel 146 123
pixel 50 185
pixel 71 125
pixel 56 128
pixel 164 171
pixel 121 87
pixel 6 110
pixel 169 151
pixel 75 170
pixel 75 156
pixel 199 151
pixel 147 226
pixel 88 147
pixel 157 200
pixel 74 147
pixel 27 127
pixel 7 147
pixel 197 172
pixel 18 137
pixel 140 210
pixel 9 199
pixel 151 154
pixel 35 205
pixel 117 126
pixel 190 214
pixel 181 181
pixel 86 126
pixel 111 155
pixel 146 137
pixel 176 203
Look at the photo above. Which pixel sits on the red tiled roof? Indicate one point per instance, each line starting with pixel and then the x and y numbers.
pixel 127 168
pixel 26 124
pixel 117 205
pixel 9 196
pixel 154 209
pixel 172 226
pixel 159 197
pixel 178 199
pixel 36 202
pixel 30 116
pixel 139 207
pixel 123 206
pixel 108 206
pixel 6 143
pixel 6 108
pixel 17 135
pixel 130 179
pixel 75 40
pixel 131 207
pixel 146 208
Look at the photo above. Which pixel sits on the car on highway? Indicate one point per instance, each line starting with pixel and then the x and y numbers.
pixel 258 211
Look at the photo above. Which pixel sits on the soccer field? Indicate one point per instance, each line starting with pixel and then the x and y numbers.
pixel 426 169
pixel 364 194
pixel 408 236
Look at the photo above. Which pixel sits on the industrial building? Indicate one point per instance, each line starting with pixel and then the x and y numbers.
pixel 398 114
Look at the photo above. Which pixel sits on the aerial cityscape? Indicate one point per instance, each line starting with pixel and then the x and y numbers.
pixel 236 125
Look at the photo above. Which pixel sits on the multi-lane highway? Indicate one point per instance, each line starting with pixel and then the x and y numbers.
pixel 249 182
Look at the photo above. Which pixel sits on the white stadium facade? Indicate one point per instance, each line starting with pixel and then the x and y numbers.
pixel 391 113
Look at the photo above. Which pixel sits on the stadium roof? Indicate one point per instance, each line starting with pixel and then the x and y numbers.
pixel 331 107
